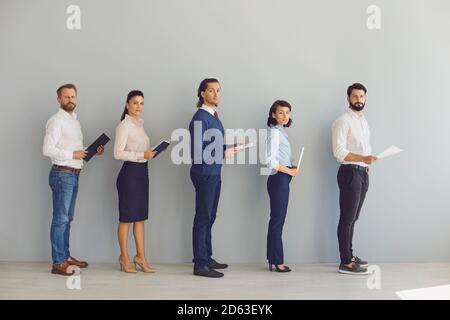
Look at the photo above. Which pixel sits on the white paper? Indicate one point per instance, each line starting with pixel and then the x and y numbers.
pixel 392 150
pixel 430 293
pixel 245 146
pixel 301 156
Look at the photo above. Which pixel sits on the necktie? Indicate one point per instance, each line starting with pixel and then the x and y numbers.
pixel 216 114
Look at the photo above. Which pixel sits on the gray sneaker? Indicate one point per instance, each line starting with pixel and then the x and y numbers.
pixel 361 262
pixel 354 269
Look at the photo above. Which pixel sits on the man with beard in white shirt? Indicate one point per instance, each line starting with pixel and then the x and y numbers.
pixel 351 147
pixel 63 144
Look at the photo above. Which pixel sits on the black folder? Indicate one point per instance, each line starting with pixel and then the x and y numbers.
pixel 92 149
pixel 161 147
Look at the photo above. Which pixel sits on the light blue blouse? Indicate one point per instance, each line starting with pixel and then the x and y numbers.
pixel 278 148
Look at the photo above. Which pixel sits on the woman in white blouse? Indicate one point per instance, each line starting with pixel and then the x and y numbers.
pixel 132 145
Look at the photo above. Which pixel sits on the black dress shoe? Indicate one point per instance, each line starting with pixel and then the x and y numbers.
pixel 213 264
pixel 278 269
pixel 208 272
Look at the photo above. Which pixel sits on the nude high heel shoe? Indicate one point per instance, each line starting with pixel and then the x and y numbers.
pixel 126 269
pixel 143 265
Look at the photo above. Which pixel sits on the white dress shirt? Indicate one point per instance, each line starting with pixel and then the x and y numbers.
pixel 209 109
pixel 131 140
pixel 63 136
pixel 351 134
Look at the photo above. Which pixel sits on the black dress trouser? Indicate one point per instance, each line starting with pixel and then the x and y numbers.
pixel 353 181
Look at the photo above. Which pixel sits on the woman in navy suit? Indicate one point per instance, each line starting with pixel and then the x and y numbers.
pixel 279 157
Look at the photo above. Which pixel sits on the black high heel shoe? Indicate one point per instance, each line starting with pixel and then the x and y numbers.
pixel 277 269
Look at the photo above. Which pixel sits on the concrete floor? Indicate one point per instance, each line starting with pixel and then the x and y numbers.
pixel 25 280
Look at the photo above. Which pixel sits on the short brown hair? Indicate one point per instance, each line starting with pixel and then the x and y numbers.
pixel 356 86
pixel 279 103
pixel 66 86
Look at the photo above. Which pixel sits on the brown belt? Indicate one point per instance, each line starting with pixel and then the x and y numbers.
pixel 74 170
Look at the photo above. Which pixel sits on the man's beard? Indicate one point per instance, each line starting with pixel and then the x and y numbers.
pixel 357 106
pixel 68 107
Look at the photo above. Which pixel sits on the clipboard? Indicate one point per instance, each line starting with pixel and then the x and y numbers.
pixel 92 149
pixel 161 147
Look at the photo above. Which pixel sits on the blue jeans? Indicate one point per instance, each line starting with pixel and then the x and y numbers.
pixel 64 185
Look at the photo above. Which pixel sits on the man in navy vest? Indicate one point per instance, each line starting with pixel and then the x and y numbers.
pixel 207 152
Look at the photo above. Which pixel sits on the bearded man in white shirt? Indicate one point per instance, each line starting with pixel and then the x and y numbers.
pixel 351 147
pixel 63 144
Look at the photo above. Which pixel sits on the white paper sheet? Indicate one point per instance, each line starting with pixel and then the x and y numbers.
pixel 301 156
pixel 245 146
pixel 392 150
pixel 430 293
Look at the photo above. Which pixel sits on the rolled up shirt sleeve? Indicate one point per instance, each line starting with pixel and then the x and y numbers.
pixel 340 130
pixel 50 147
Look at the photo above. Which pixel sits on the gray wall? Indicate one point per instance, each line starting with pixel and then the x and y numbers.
pixel 306 52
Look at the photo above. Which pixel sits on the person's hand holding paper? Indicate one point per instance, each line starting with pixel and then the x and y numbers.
pixel 230 152
pixel 392 150
pixel 241 146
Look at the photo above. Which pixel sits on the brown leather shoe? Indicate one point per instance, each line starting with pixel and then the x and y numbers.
pixel 78 263
pixel 62 269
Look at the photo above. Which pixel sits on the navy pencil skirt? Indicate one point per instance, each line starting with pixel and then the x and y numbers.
pixel 132 186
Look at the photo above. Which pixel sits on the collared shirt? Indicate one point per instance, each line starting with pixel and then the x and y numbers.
pixel 351 134
pixel 211 110
pixel 63 136
pixel 131 140
pixel 278 148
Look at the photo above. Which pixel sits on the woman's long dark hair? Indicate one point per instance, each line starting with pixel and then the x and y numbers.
pixel 202 87
pixel 131 94
pixel 271 121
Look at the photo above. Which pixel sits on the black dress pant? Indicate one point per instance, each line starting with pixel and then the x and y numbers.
pixel 278 189
pixel 207 194
pixel 353 181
